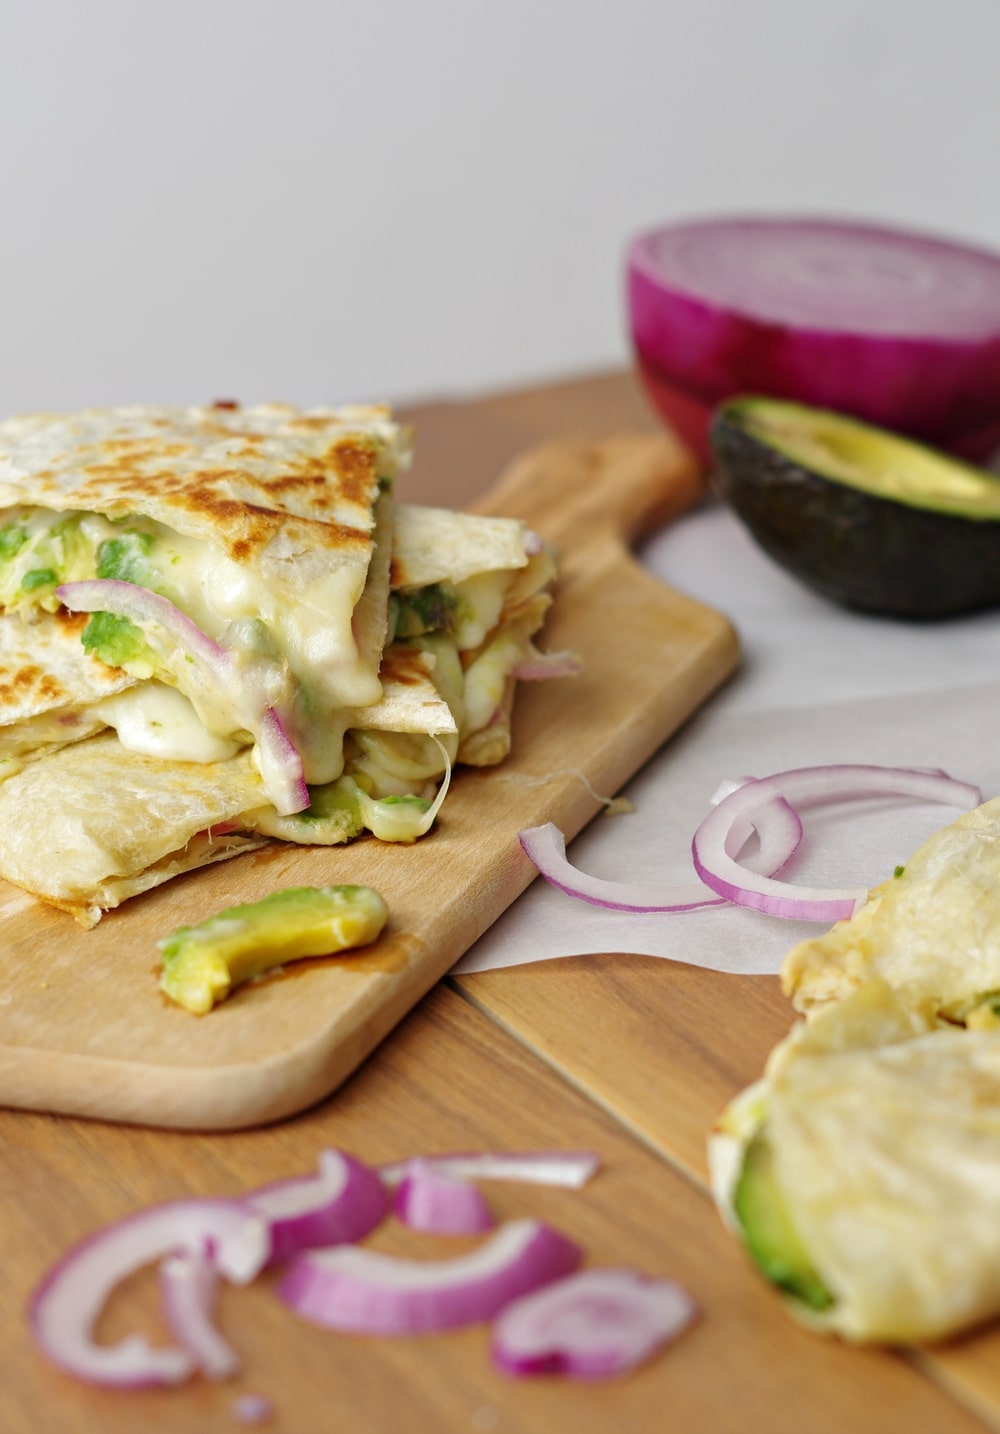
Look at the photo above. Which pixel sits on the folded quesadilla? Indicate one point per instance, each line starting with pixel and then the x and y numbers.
pixel 863 1171
pixel 237 555
pixel 933 927
pixel 227 602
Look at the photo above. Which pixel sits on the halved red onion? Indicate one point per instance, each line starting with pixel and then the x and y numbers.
pixel 367 1292
pixel 570 1169
pixel 777 825
pixel 430 1199
pixel 207 674
pixel 341 1202
pixel 64 1307
pixel 802 787
pixel 189 1284
pixel 898 328
pixel 591 1325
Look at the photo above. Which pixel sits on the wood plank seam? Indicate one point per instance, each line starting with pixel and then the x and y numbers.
pixel 922 1361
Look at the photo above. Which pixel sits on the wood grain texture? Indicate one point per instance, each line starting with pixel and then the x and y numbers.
pixel 83 1028
pixel 448 1080
pixel 676 1043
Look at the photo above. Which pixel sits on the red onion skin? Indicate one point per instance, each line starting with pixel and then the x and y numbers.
pixel 945 392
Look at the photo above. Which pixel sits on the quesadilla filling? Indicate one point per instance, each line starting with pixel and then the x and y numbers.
pixel 216 584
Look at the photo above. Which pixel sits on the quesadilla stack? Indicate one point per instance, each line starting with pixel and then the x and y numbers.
pixel 863 1170
pixel 221 616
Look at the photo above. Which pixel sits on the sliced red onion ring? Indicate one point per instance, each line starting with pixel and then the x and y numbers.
pixel 189 1284
pixel 208 669
pixel 428 1198
pixel 807 786
pixel 778 827
pixel 342 1202
pixel 370 1293
pixel 570 1169
pixel 592 1325
pixel 66 1304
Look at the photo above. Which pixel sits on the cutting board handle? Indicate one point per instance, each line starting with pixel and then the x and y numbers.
pixel 622 487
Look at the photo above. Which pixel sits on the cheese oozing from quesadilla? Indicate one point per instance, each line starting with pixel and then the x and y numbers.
pixel 265 533
pixel 245 598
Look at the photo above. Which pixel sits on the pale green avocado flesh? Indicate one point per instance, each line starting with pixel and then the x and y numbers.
pixel 769 1232
pixel 201 964
pixel 863 516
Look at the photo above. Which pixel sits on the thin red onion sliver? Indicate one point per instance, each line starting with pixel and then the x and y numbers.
pixel 146 608
pixel 366 1292
pixel 539 666
pixel 570 1169
pixel 343 1201
pixel 65 1306
pixel 430 1199
pixel 807 786
pixel 189 1283
pixel 777 825
pixel 591 1325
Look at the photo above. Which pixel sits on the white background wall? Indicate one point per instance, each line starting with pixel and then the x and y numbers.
pixel 321 201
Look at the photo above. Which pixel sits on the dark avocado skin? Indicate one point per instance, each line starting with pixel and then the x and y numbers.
pixel 855 548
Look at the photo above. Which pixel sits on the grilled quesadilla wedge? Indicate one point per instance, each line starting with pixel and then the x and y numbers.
pixel 933 928
pixel 107 822
pixel 238 554
pixel 241 587
pixel 863 1171
pixel 168 815
pixel 471 603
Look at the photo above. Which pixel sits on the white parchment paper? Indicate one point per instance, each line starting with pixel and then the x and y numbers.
pixel 817 685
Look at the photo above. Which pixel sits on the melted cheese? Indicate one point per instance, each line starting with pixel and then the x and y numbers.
pixel 159 721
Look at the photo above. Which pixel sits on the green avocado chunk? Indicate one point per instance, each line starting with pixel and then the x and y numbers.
pixel 768 1231
pixel 201 964
pixel 863 516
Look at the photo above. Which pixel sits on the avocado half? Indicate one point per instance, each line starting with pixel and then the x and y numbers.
pixel 866 518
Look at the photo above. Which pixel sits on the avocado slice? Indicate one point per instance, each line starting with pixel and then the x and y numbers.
pixel 201 964
pixel 866 518
pixel 768 1230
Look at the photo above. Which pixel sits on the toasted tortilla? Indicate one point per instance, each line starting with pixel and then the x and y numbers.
pixel 269 521
pixel 51 690
pixel 86 855
pixel 155 818
pixel 935 927
pixel 289 489
pixel 49 685
pixel 883 1130
pixel 254 517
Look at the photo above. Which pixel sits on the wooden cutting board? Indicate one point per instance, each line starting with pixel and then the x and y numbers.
pixel 84 1028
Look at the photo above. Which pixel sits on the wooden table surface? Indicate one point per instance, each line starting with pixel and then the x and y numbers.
pixel 628 1056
